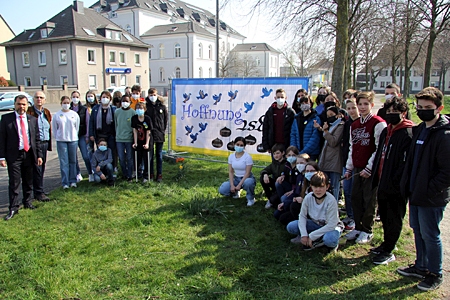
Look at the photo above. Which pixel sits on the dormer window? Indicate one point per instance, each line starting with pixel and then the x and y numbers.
pixel 117 35
pixel 108 34
pixel 44 33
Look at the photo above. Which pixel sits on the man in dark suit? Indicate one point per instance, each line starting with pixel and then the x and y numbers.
pixel 20 150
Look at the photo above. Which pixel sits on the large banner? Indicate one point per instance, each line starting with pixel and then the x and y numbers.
pixel 208 114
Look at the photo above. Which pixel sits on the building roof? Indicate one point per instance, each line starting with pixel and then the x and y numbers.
pixel 246 47
pixel 323 64
pixel 7 25
pixel 179 10
pixel 178 28
pixel 76 23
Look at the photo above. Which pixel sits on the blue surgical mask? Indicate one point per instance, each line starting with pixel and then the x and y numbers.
pixel 291 159
pixel 140 112
pixel 309 175
pixel 102 148
pixel 238 149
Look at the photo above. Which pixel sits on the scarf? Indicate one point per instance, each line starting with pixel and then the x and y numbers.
pixel 99 117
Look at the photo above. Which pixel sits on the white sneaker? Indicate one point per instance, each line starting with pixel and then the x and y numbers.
pixel 65 187
pixel 91 178
pixel 364 238
pixel 297 240
pixel 79 177
pixel 73 185
pixel 268 205
pixel 237 195
pixel 250 202
pixel 352 234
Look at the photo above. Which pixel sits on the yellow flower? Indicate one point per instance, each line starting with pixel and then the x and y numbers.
pixel 181 167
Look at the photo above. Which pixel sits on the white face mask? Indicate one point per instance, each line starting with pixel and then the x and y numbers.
pixel 388 97
pixel 90 99
pixel 75 100
pixel 105 101
pixel 301 167
pixel 135 96
pixel 125 104
pixel 153 98
pixel 280 101
pixel 65 106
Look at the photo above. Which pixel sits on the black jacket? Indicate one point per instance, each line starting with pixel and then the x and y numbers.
pixel 158 114
pixel 394 161
pixel 82 130
pixel 268 136
pixel 432 186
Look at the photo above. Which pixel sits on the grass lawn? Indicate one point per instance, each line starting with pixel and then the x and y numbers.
pixel 181 240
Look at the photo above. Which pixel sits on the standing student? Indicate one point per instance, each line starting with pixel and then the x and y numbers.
pixel 296 103
pixel 124 137
pixel 426 181
pixel 364 137
pixel 135 96
pixel 322 94
pixel 142 127
pixel 277 122
pixel 157 112
pixel 44 117
pixel 391 90
pixel 388 165
pixel 19 150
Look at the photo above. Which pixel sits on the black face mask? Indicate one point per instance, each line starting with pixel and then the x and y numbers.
pixel 321 98
pixel 329 104
pixel 331 120
pixel 426 115
pixel 393 119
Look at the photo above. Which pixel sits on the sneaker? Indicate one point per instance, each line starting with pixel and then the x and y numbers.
pixel 350 226
pixel 377 218
pixel 376 250
pixel 268 205
pixel 364 238
pixel 315 244
pixel 250 202
pixel 297 240
pixel 91 178
pixel 341 202
pixel 159 179
pixel 73 185
pixel 430 283
pixel 412 271
pixel 79 177
pixel 111 182
pixel 116 169
pixel 144 180
pixel 352 235
pixel 383 258
pixel 65 187
pixel 237 195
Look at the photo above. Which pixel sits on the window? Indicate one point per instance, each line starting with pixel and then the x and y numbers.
pixel 161 50
pixel 398 73
pixel 416 84
pixel 177 50
pixel 150 75
pixel 123 80
pixel 386 72
pixel 122 60
pixel 27 81
pixel 108 34
pixel 149 54
pixel 43 80
pixel 26 59
pixel 62 56
pixel 258 61
pixel 63 79
pixel 117 35
pixel 271 63
pixel 91 56
pixel 128 28
pixel 210 52
pixel 113 80
pixel 112 57
pixel 137 59
pixel 161 75
pixel 415 73
pixel 44 33
pixel 177 73
pixel 200 72
pixel 200 50
pixel 92 82
pixel 138 79
pixel 42 58
pixel 210 73
pixel 382 84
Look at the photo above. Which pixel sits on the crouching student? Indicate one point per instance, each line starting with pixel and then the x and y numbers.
pixel 318 223
pixel 101 162
pixel 270 174
pixel 285 183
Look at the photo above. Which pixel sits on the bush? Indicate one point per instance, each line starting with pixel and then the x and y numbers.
pixel 11 83
pixel 3 81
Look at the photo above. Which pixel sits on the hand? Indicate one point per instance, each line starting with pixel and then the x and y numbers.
pixel 3 163
pixel 232 188
pixel 347 175
pixel 287 194
pixel 364 174
pixel 134 146
pixel 103 177
pixel 266 179
pixel 306 241
pixel 280 179
pixel 87 140
pixel 39 162
pixel 238 187
pixel 145 146
pixel 97 169
pixel 92 138
pixel 325 126
pixel 316 125
pixel 280 206
pixel 298 199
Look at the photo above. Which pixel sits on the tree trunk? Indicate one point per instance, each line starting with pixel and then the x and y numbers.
pixel 354 72
pixel 367 78
pixel 340 52
pixel 428 63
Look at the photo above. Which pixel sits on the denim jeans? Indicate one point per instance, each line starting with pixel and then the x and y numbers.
pixel 38 173
pixel 156 151
pixel 85 154
pixel 335 183
pixel 67 153
pixel 248 187
pixel 427 236
pixel 108 171
pixel 348 196
pixel 330 239
pixel 283 188
pixel 125 152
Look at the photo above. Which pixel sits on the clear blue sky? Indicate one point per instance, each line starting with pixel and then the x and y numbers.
pixel 29 14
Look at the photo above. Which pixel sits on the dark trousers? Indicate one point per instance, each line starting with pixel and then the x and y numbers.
pixel 21 170
pixel 392 210
pixel 156 152
pixel 38 173
pixel 364 202
pixel 269 188
pixel 142 157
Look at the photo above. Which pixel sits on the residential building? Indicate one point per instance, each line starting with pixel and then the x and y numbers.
pixel 321 72
pixel 255 60
pixel 6 34
pixel 78 47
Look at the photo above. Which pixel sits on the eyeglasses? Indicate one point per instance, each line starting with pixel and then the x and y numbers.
pixel 39 97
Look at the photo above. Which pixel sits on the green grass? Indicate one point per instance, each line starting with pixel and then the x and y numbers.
pixel 180 240
pixel 415 118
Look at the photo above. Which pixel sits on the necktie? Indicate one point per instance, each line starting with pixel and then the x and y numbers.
pixel 26 145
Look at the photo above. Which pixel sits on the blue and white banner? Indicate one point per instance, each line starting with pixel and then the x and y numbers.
pixel 208 114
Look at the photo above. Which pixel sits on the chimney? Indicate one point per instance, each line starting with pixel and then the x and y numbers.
pixel 78 6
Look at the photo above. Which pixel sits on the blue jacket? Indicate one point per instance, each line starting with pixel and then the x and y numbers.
pixel 311 136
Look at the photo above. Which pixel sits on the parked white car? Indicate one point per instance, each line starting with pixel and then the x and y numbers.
pixel 7 99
